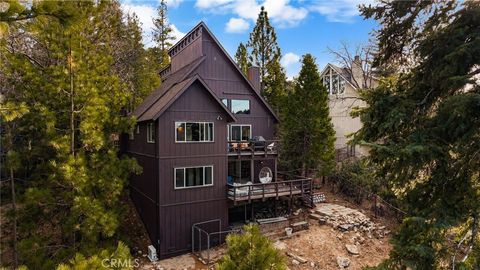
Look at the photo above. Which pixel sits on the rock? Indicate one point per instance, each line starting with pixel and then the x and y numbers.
pixel 312 264
pixel 297 258
pixel 343 262
pixel 280 245
pixel 352 249
pixel 295 262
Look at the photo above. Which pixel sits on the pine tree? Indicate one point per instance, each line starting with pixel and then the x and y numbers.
pixel 424 127
pixel 251 250
pixel 241 58
pixel 307 130
pixel 265 53
pixel 162 34
pixel 66 139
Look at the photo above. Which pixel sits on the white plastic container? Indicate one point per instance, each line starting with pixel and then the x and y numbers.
pixel 288 231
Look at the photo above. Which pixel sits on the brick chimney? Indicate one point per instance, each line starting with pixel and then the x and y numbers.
pixel 357 71
pixel 253 76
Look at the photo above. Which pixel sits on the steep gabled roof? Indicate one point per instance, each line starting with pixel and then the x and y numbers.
pixel 202 24
pixel 172 94
pixel 167 83
pixel 340 71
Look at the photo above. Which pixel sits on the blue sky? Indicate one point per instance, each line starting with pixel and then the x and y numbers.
pixel 302 26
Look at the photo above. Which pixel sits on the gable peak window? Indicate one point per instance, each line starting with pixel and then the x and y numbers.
pixel 151 132
pixel 237 106
pixel 334 83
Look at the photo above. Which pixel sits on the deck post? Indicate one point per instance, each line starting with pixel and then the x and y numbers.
pixel 252 171
pixel 275 168
pixel 252 214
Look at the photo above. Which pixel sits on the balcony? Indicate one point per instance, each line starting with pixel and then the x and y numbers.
pixel 253 148
pixel 247 192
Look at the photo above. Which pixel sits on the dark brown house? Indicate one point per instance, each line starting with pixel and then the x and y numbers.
pixel 205 142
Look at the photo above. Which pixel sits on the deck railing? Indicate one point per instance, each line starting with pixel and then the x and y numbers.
pixel 274 189
pixel 253 147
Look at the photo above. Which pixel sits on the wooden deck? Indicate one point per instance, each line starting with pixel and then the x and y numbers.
pixel 238 193
pixel 252 148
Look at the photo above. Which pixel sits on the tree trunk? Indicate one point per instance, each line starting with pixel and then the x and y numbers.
pixel 14 208
pixel 72 103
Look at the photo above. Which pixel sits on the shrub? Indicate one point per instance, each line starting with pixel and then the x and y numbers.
pixel 251 250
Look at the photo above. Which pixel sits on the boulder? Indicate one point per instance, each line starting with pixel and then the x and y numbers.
pixel 343 262
pixel 352 249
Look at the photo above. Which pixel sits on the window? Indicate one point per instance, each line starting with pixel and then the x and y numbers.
pixel 193 177
pixel 130 135
pixel 225 101
pixel 240 132
pixel 194 132
pixel 151 132
pixel 334 83
pixel 138 129
pixel 240 106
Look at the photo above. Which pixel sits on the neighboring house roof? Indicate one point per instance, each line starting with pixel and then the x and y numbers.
pixel 167 83
pixel 340 71
pixel 237 68
pixel 173 93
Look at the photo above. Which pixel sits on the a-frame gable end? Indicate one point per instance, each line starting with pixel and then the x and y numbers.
pixel 223 75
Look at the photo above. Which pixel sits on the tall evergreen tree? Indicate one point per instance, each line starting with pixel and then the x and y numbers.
pixel 60 69
pixel 307 130
pixel 241 58
pixel 162 34
pixel 424 129
pixel 265 53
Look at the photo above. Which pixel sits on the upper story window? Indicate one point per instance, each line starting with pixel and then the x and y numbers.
pixel 239 132
pixel 240 106
pixel 237 106
pixel 193 131
pixel 151 132
pixel 334 83
pixel 193 177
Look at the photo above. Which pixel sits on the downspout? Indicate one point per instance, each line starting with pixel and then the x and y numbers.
pixel 157 191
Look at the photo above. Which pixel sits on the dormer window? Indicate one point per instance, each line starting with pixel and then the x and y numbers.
pixel 334 83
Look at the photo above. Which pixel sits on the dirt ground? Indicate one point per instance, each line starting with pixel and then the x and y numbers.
pixel 320 246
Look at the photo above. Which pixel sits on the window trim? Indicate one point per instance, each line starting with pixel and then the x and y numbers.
pixel 197 122
pixel 229 132
pixel 330 74
pixel 239 99
pixel 150 128
pixel 185 175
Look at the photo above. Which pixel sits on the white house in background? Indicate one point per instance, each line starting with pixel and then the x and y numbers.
pixel 343 85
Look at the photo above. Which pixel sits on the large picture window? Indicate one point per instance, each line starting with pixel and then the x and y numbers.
pixel 240 106
pixel 334 83
pixel 240 132
pixel 193 131
pixel 151 132
pixel 193 177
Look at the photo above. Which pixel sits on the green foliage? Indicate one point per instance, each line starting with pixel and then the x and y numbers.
pixel 70 78
pixel 356 178
pixel 423 126
pixel 265 53
pixel 251 250
pixel 162 35
pixel 241 58
pixel 307 130
pixel 118 259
